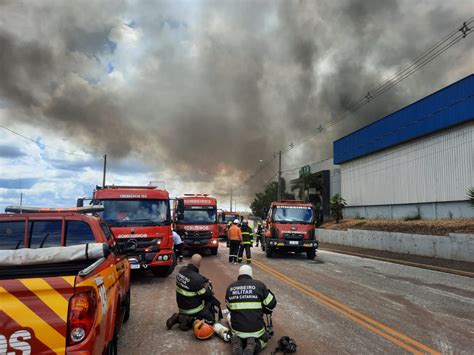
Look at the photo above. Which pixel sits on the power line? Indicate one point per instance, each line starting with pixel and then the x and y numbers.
pixel 46 146
pixel 416 64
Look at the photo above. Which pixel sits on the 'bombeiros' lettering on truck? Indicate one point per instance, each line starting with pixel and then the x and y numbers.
pixel 140 218
pixel 195 220
pixel 290 228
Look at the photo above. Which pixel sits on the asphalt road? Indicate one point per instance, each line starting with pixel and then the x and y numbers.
pixel 334 304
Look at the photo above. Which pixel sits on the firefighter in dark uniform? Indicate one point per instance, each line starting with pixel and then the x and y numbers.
pixel 247 241
pixel 248 300
pixel 260 230
pixel 194 296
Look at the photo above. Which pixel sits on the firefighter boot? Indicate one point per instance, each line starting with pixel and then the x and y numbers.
pixel 185 322
pixel 250 347
pixel 174 319
pixel 236 345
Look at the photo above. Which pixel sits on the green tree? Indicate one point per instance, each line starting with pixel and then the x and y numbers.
pixel 470 194
pixel 262 200
pixel 304 182
pixel 337 205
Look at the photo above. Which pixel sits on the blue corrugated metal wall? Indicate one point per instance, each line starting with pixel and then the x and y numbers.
pixel 445 108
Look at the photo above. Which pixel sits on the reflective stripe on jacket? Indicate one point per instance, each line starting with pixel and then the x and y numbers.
pixel 247 300
pixel 247 235
pixel 191 290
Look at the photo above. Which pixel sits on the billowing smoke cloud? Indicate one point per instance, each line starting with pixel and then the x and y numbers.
pixel 203 90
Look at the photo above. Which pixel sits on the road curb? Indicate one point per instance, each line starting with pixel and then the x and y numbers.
pixel 402 262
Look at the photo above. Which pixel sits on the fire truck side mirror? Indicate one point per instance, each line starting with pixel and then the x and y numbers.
pixel 80 202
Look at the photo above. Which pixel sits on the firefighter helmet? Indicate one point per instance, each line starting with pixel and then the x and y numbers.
pixel 202 330
pixel 236 221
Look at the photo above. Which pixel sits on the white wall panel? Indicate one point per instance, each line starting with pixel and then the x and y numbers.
pixel 439 167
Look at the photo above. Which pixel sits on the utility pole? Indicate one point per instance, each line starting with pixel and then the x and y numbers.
pixel 21 197
pixel 231 199
pixel 105 169
pixel 279 177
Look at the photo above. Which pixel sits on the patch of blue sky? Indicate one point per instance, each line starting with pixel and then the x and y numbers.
pixel 110 67
pixel 131 23
pixel 40 145
pixel 110 46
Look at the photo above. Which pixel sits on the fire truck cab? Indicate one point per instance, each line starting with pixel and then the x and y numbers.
pixel 195 220
pixel 140 219
pixel 290 228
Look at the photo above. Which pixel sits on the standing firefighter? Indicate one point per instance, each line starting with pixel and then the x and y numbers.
pixel 248 300
pixel 194 296
pixel 260 230
pixel 178 246
pixel 234 235
pixel 247 241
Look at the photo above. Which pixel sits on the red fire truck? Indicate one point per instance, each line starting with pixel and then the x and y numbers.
pixel 195 220
pixel 290 228
pixel 140 219
pixel 223 219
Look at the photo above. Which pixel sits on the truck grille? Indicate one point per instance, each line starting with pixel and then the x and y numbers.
pixel 293 236
pixel 196 234
pixel 141 243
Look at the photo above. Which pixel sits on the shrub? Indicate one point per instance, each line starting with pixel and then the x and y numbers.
pixel 337 205
pixel 470 194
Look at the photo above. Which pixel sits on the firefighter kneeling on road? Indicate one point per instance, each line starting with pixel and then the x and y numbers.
pixel 194 297
pixel 247 241
pixel 248 300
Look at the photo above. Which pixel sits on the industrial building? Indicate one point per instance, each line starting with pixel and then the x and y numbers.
pixel 417 162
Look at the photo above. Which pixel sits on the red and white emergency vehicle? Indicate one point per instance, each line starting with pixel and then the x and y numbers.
pixel 290 228
pixel 195 220
pixel 140 219
pixel 224 218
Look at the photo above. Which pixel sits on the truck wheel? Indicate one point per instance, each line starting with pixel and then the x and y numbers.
pixel 126 314
pixel 269 252
pixel 311 254
pixel 163 271
pixel 213 251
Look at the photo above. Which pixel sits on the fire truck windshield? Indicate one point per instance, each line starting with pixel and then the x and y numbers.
pixel 229 217
pixel 136 212
pixel 292 214
pixel 197 215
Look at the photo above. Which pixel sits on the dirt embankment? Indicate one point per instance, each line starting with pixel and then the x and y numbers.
pixel 427 227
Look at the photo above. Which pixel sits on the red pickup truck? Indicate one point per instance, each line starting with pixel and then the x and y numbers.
pixel 64 287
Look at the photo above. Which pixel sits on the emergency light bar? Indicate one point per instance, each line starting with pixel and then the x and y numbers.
pixel 292 201
pixel 86 209
pixel 124 187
